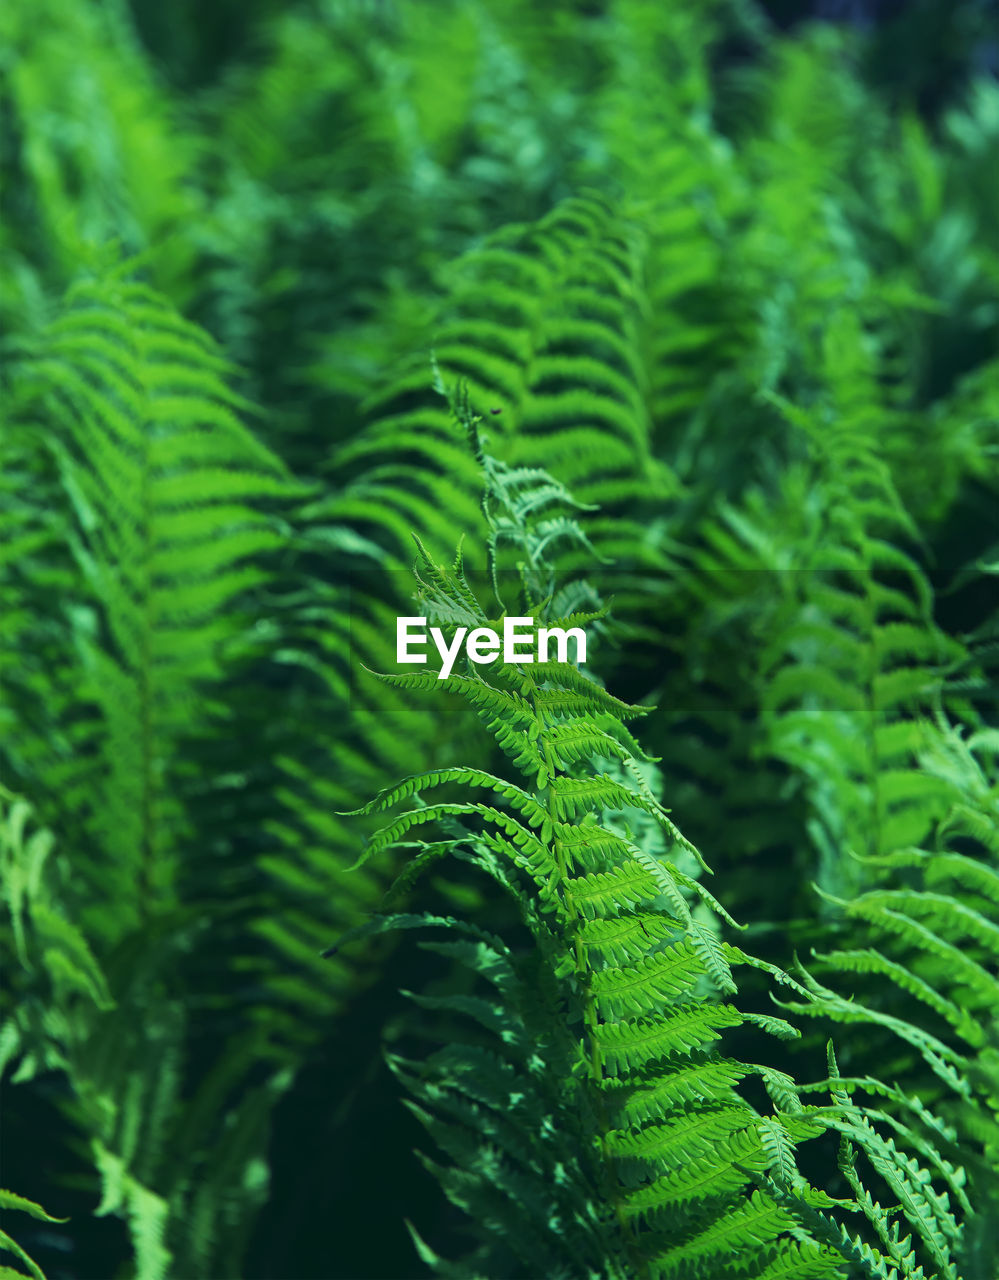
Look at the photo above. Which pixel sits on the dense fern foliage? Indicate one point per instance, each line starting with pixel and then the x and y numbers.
pixel 601 1133
pixel 681 322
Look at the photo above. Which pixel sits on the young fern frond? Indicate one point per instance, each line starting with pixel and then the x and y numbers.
pixel 163 517
pixel 541 328
pixel 929 973
pixel 595 1130
pixel 903 811
pixel 167 520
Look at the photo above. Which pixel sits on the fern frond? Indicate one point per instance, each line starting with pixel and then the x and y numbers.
pixel 620 998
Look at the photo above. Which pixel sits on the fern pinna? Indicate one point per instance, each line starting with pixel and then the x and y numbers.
pixel 592 1126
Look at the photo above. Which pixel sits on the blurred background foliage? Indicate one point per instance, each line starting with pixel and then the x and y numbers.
pixel 231 236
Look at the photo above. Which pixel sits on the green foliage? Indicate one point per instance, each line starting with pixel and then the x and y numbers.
pixel 594 1129
pixel 162 518
pixel 721 293
pixel 8 1200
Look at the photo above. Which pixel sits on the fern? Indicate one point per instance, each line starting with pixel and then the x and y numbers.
pixel 931 960
pixel 856 677
pixel 9 1200
pixel 540 323
pixel 730 284
pixel 164 508
pixel 605 1033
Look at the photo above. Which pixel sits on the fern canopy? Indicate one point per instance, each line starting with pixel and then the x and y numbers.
pixel 680 322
